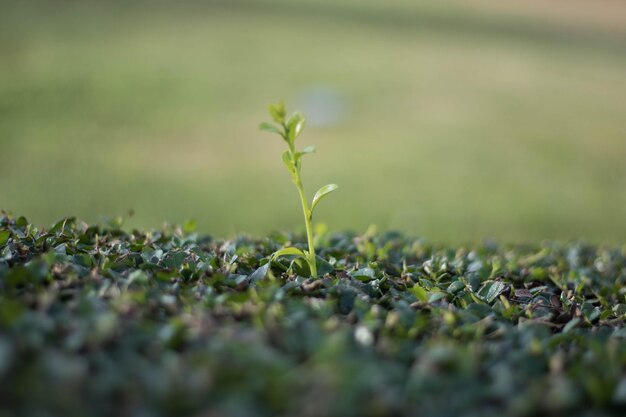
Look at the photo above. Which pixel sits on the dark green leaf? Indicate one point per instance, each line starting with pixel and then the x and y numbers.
pixel 259 273
pixel 364 274
pixel 323 266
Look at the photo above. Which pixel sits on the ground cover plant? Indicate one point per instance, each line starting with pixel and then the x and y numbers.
pixel 96 321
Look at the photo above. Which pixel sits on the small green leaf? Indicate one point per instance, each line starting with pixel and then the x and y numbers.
pixel 494 291
pixel 323 266
pixel 4 236
pixel 571 324
pixel 278 112
pixel 268 127
pixel 619 310
pixel 420 293
pixel 259 273
pixel 308 149
pixel 295 125
pixel 287 161
pixel 436 296
pixel 364 274
pixel 288 251
pixel 327 189
pixel 190 226
pixel 138 276
pixel 455 287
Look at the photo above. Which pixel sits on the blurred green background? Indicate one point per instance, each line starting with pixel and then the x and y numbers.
pixel 449 120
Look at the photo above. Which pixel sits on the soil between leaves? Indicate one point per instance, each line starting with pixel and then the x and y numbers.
pixel 97 321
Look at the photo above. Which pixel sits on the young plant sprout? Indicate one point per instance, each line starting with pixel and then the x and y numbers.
pixel 289 128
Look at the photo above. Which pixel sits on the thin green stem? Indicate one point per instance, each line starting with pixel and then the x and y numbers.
pixel 307 220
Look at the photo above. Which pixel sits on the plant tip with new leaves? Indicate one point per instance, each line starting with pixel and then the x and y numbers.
pixel 289 128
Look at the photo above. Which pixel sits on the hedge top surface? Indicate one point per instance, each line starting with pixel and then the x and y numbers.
pixel 98 321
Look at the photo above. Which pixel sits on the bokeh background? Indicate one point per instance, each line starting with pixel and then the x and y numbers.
pixel 450 120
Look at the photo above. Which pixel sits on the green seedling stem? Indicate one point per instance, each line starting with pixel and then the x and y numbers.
pixel 289 128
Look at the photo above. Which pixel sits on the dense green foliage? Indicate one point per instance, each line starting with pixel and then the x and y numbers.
pixel 98 321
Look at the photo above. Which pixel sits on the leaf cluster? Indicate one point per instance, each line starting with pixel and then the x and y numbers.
pixel 98 321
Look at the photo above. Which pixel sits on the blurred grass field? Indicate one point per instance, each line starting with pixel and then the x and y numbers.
pixel 458 120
